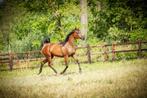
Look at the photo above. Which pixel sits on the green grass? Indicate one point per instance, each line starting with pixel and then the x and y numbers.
pixel 120 79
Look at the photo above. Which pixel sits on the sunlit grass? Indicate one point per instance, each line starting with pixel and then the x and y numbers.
pixel 121 79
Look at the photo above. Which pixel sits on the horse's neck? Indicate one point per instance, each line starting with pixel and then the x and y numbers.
pixel 71 41
pixel 69 45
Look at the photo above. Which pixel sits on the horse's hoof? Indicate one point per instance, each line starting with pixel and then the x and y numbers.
pixel 38 74
pixel 80 71
pixel 57 74
pixel 61 73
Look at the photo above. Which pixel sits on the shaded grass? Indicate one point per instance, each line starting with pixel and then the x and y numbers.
pixel 122 79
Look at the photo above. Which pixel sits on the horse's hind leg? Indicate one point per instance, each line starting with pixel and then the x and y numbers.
pixel 49 64
pixel 41 66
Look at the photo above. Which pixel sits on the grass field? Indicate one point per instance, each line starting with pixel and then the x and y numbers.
pixel 119 79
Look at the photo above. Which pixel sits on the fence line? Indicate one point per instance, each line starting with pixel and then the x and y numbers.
pixel 11 58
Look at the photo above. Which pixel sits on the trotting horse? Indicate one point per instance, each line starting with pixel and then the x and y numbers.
pixel 65 49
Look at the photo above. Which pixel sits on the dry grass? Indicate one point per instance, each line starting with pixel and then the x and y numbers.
pixel 123 79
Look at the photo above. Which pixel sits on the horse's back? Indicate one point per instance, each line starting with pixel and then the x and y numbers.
pixel 58 50
pixel 54 49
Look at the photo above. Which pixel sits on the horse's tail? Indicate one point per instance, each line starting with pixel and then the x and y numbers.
pixel 45 40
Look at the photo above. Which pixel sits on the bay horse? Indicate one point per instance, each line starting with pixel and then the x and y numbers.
pixel 64 49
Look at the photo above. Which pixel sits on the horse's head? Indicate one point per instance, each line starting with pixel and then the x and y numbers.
pixel 77 34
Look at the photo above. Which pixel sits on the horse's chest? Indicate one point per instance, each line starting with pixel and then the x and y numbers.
pixel 71 50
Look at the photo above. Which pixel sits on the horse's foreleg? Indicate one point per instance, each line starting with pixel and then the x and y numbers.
pixel 77 61
pixel 66 64
pixel 49 64
pixel 41 66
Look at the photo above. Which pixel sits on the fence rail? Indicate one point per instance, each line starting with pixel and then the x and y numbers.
pixel 12 58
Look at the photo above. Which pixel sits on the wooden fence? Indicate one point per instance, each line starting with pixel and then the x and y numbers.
pixel 12 58
pixel 6 58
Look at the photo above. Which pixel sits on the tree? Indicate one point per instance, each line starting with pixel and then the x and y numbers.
pixel 84 18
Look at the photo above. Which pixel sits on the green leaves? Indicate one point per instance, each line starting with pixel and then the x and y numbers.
pixel 118 21
pixel 36 5
pixel 32 20
pixel 139 34
pixel 32 23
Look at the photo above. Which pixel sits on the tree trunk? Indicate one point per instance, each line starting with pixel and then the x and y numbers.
pixel 84 19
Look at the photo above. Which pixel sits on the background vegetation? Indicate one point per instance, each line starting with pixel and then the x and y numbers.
pixel 24 23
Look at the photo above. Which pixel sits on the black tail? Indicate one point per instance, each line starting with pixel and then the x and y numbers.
pixel 45 40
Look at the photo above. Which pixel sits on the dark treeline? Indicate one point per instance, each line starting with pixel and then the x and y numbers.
pixel 24 23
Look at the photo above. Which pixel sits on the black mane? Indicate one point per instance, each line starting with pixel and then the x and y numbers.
pixel 67 37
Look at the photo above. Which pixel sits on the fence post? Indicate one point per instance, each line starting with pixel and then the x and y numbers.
pixel 113 52
pixel 17 59
pixel 89 54
pixel 105 53
pixel 139 49
pixel 11 61
pixel 28 55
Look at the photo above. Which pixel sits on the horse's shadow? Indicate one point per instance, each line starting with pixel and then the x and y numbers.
pixel 69 73
pixel 65 74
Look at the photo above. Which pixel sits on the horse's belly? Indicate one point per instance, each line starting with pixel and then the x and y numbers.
pixel 57 53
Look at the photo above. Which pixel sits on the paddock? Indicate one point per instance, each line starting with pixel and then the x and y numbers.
pixel 118 79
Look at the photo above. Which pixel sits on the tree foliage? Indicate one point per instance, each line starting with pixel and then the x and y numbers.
pixel 119 20
pixel 29 21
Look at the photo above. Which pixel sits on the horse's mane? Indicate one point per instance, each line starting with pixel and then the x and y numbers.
pixel 67 37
